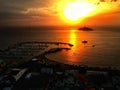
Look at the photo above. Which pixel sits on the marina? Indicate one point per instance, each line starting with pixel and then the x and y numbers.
pixel 59 45
pixel 43 73
pixel 26 50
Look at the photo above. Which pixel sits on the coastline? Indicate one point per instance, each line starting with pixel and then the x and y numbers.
pixel 41 72
pixel 38 49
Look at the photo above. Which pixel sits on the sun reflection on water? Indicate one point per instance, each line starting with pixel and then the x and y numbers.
pixel 78 53
pixel 73 37
pixel 71 56
pixel 78 50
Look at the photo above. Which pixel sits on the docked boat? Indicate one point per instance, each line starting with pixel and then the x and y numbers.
pixel 84 41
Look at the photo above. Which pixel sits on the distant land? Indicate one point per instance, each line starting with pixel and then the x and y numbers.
pixel 85 29
pixel 111 28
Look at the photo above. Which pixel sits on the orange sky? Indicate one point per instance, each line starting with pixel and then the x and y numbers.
pixel 51 12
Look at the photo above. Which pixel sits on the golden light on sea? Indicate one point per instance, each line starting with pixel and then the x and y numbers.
pixel 73 40
pixel 73 37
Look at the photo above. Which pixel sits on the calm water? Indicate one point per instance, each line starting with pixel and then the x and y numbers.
pixel 105 53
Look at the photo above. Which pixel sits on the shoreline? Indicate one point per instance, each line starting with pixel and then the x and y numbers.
pixel 37 46
pixel 40 69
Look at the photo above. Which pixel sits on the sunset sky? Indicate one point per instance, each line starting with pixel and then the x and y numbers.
pixel 57 12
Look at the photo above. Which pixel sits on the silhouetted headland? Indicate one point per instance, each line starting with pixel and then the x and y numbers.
pixel 85 29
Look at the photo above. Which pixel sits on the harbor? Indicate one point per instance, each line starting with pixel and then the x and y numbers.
pixel 40 72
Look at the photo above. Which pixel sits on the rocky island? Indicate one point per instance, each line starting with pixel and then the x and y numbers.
pixel 85 29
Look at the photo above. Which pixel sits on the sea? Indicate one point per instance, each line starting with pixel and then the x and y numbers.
pixel 102 47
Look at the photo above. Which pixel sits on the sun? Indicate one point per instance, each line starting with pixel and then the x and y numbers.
pixel 76 10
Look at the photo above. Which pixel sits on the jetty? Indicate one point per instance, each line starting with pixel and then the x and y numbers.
pixel 27 50
pixel 42 73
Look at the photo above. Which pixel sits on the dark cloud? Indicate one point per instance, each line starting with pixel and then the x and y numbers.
pixel 26 3
pixel 108 0
pixel 9 15
pixel 14 5
pixel 102 0
pixel 114 0
pixel 23 9
pixel 105 1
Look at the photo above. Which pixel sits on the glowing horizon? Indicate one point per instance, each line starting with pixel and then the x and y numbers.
pixel 63 12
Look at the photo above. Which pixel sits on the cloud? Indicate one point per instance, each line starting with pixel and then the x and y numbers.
pixel 102 1
pixel 20 5
pixel 114 0
pixel 20 10
pixel 108 0
pixel 16 9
